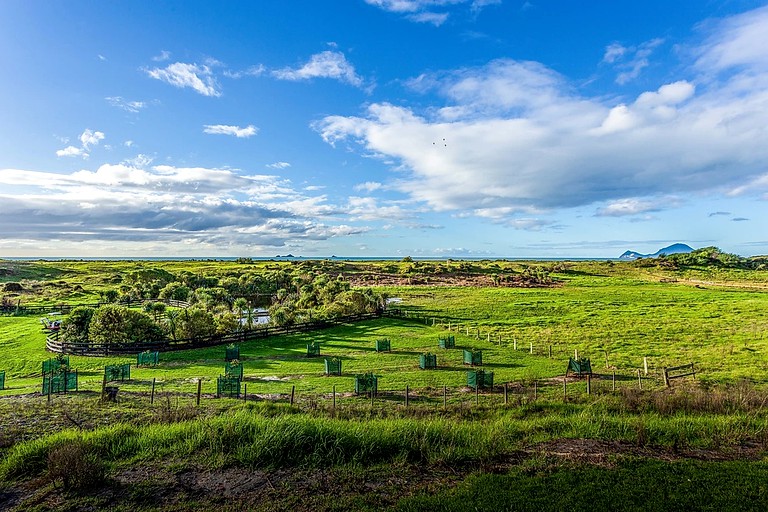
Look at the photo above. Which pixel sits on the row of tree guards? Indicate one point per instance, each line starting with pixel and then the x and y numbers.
pixel 668 373
pixel 367 385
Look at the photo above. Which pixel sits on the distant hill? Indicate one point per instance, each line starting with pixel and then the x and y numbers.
pixel 672 249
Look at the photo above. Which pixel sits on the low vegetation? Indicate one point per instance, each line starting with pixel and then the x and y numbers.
pixel 694 444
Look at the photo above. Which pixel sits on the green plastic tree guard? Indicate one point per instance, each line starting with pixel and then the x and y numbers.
pixel 366 383
pixel 313 349
pixel 232 353
pixel 383 345
pixel 233 369
pixel 55 364
pixel 60 382
pixel 333 366
pixel 473 357
pixel 446 342
pixel 479 378
pixel 2 380
pixel 427 361
pixel 580 367
pixel 117 372
pixel 147 358
pixel 228 387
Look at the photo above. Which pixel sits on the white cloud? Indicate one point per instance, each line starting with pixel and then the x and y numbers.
pixel 279 165
pixel 223 129
pixel 163 56
pixel 91 138
pixel 633 206
pixel 424 11
pixel 72 151
pixel 197 77
pixel 122 203
pixel 368 186
pixel 511 137
pixel 738 41
pixel 327 64
pixel 128 106
pixel 88 139
pixel 368 209
pixel 433 18
pixel 614 52
pixel 630 61
pixel 139 161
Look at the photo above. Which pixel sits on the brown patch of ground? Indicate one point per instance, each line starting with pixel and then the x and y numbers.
pixel 175 485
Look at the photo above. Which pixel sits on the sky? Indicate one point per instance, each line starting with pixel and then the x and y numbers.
pixel 429 128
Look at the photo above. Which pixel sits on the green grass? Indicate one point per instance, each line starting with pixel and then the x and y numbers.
pixel 268 437
pixel 630 484
pixel 624 311
pixel 723 330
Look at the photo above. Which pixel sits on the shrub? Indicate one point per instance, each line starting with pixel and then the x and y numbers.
pixel 75 465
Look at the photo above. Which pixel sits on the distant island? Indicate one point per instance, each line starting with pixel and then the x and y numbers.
pixel 672 249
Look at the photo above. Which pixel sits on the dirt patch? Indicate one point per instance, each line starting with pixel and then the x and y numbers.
pixel 598 451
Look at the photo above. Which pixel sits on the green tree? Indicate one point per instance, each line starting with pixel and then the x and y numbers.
pixel 76 326
pixel 195 323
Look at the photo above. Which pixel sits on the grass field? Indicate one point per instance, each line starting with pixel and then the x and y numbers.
pixel 488 454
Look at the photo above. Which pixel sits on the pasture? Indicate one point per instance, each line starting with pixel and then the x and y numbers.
pixel 621 315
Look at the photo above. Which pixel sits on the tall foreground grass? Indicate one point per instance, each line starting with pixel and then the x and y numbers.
pixel 251 439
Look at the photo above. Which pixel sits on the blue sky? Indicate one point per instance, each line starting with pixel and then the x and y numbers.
pixel 475 128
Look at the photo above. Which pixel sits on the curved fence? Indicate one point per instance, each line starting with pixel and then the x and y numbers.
pixel 55 344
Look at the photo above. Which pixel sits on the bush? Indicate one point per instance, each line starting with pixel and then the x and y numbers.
pixel 75 465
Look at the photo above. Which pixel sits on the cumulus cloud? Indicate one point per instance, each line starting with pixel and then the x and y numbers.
pixel 279 165
pixel 71 151
pixel 327 64
pixel 223 129
pixel 88 139
pixel 513 137
pixel 368 186
pixel 200 78
pixel 91 138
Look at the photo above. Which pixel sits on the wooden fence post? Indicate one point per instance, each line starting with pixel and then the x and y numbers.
pixel 645 365
pixel 565 389
pixel 531 347
pixel 505 394
pixel 614 381
pixel 293 390
pixel 245 392
pixel 152 394
pixel 639 382
pixel 445 397
pixel 589 383
pixel 535 390
pixel 199 389
pixel 550 351
pixel 477 393
pixel 406 395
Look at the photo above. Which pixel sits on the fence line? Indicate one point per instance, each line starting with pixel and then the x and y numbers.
pixel 67 308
